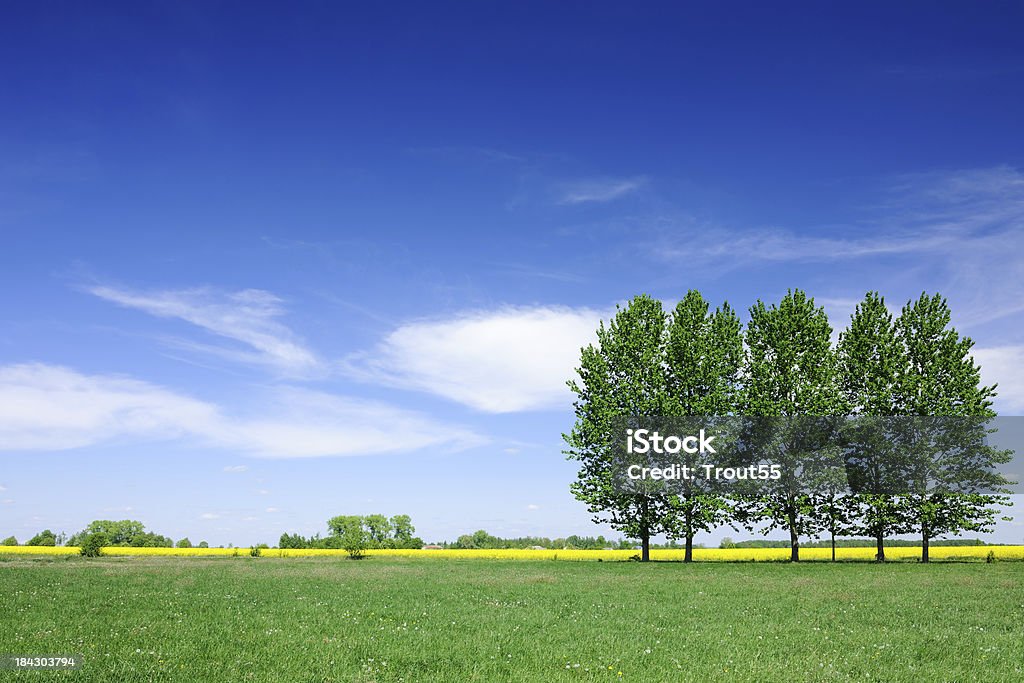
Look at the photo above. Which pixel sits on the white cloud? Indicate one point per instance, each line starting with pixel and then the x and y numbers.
pixel 2 488
pixel 44 407
pixel 532 506
pixel 272 510
pixel 235 469
pixel 1004 365
pixel 263 492
pixel 598 190
pixel 507 360
pixel 248 316
pixel 209 515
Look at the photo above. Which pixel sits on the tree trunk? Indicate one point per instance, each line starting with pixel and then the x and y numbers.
pixel 924 544
pixel 833 546
pixel 794 545
pixel 879 545
pixel 645 532
pixel 688 557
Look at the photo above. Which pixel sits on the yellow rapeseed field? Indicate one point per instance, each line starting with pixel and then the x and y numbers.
pixel 1004 552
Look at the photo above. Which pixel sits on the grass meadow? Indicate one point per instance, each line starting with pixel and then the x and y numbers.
pixel 406 619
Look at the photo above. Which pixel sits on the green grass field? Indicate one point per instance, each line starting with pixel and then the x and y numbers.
pixel 315 619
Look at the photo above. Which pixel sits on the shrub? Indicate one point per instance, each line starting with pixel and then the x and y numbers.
pixel 353 537
pixel 92 545
pixel 184 543
pixel 204 544
pixel 257 550
pixel 46 537
pixel 10 540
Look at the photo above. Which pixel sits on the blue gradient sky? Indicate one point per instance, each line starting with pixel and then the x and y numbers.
pixel 262 265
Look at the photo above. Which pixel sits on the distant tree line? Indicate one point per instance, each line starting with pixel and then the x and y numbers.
pixel 481 540
pixel 107 533
pixel 696 362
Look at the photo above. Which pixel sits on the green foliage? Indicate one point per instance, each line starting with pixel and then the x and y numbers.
pixel 257 550
pixel 622 375
pixel 204 544
pixel 45 537
pixel 939 377
pixel 403 530
pixel 124 533
pixel 704 357
pixel 292 541
pixel 870 362
pixel 377 531
pixel 184 543
pixel 791 370
pixel 10 540
pixel 92 544
pixel 352 533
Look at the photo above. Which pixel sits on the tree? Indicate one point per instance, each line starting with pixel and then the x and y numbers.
pixel 92 545
pixel 620 377
pixel 403 530
pixel 870 357
pixel 938 377
pixel 353 535
pixel 790 371
pixel 836 509
pixel 204 544
pixel 292 541
pixel 46 537
pixel 10 540
pixel 378 530
pixel 704 357
pixel 126 532
pixel 184 543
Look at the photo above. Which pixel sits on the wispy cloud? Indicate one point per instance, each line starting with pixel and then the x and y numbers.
pixel 598 190
pixel 921 213
pixel 45 407
pixel 500 361
pixel 249 317
pixel 236 469
pixel 963 229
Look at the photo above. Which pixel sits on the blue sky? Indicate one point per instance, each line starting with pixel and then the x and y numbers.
pixel 263 265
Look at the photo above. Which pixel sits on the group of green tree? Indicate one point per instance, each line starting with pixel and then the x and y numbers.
pixel 357 533
pixel 108 533
pixel 44 537
pixel 694 361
